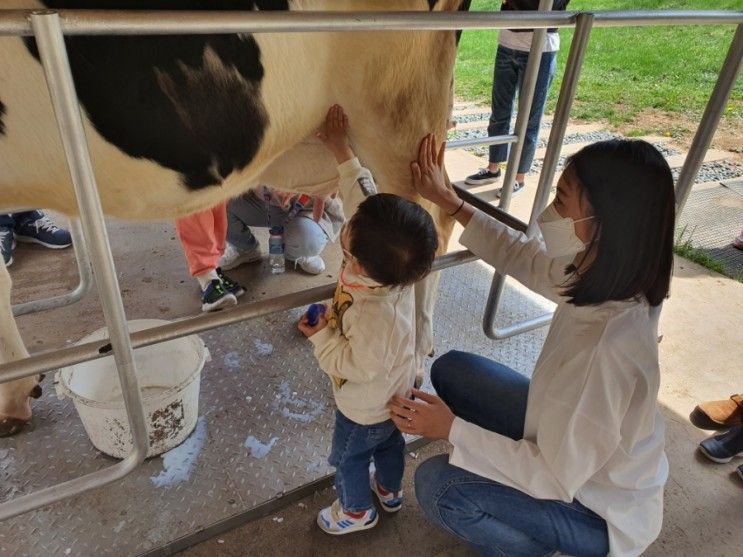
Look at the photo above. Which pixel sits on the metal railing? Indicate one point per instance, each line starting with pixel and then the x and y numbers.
pixel 49 28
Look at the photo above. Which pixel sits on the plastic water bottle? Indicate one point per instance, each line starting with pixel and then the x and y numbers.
pixel 276 250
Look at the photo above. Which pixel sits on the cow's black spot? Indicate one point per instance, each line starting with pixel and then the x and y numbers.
pixel 3 110
pixel 431 4
pixel 190 103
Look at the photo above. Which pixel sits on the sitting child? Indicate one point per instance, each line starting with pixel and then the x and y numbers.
pixel 366 340
pixel 306 231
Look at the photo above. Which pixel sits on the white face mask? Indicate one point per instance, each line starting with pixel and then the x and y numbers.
pixel 559 233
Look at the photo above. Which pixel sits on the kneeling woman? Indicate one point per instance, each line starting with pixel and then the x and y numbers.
pixel 573 460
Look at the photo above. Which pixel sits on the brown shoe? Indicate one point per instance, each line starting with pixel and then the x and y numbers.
pixel 719 414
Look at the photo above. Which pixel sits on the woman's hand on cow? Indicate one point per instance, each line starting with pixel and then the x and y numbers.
pixel 334 134
pixel 429 180
pixel 428 416
pixel 308 330
pixel 428 172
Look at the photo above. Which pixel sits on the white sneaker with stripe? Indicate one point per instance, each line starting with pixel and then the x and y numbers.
pixel 335 521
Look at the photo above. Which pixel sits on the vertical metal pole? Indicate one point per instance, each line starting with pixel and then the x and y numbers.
pixel 50 41
pixel 710 119
pixel 83 286
pixel 53 54
pixel 526 96
pixel 557 133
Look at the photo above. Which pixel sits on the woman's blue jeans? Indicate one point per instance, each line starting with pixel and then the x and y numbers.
pixel 494 518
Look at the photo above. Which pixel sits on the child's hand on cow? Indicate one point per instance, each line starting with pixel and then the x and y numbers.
pixel 334 134
pixel 308 330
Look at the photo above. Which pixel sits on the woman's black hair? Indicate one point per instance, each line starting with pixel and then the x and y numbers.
pixel 394 239
pixel 630 186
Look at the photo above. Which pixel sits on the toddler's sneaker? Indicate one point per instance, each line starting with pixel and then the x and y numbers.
pixel 215 297
pixel 391 501
pixel 335 521
pixel 233 258
pixel 724 447
pixel 230 285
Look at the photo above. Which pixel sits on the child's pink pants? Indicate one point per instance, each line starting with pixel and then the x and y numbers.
pixel 202 236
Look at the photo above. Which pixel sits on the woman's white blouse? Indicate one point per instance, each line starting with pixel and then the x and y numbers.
pixel 593 431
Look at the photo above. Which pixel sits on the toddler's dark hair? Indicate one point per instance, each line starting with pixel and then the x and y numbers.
pixel 394 239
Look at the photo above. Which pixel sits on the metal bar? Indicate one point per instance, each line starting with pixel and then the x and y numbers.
pixel 260 511
pixel 141 22
pixel 54 359
pixel 492 210
pixel 79 292
pixel 490 140
pixel 50 41
pixel 569 86
pixel 526 96
pixel 711 118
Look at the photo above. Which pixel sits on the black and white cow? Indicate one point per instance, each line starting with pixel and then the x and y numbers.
pixel 177 124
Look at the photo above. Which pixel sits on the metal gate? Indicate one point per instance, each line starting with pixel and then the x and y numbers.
pixel 49 29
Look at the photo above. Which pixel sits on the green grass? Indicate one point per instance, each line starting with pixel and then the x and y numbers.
pixel 671 69
pixel 683 247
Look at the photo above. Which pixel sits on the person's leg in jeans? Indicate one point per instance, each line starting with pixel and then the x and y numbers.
pixel 497 519
pixel 505 83
pixel 304 240
pixel 389 458
pixel 506 74
pixel 351 452
pixel 547 69
pixel 482 391
pixel 243 212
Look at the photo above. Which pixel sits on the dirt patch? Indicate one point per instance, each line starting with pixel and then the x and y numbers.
pixel 681 127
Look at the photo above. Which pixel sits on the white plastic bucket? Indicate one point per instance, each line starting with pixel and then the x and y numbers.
pixel 169 375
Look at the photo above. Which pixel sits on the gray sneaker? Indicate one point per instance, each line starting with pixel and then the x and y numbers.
pixel 233 258
pixel 517 187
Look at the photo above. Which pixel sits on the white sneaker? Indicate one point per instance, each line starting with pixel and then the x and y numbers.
pixel 334 520
pixel 233 258
pixel 391 501
pixel 313 265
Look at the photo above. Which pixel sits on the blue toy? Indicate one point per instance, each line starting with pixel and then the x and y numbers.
pixel 313 314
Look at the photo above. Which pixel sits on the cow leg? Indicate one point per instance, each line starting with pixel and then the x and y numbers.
pixel 15 404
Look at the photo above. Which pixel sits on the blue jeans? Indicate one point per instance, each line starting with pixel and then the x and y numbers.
pixel 354 447
pixel 303 237
pixel 494 518
pixel 508 74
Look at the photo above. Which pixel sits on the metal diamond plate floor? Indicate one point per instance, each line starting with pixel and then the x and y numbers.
pixel 266 430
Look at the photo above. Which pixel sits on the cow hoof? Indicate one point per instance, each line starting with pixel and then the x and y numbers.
pixel 11 426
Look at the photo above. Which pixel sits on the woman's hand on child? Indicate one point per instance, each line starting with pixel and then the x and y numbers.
pixel 308 330
pixel 428 416
pixel 334 134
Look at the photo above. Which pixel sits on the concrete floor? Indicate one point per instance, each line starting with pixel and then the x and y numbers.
pixel 701 358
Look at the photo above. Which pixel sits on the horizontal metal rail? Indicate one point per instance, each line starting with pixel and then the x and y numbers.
pixel 135 22
pixel 54 359
pixel 490 140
